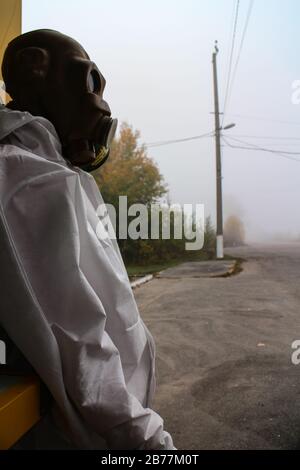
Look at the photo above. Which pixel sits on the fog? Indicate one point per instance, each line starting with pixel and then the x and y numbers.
pixel 156 57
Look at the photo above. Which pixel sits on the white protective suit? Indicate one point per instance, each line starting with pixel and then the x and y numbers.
pixel 66 300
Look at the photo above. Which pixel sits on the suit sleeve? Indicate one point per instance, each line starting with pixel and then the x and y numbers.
pixel 48 219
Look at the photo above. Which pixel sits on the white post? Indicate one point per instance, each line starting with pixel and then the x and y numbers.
pixel 220 247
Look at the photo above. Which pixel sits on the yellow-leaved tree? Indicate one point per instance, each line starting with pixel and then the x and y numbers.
pixel 130 172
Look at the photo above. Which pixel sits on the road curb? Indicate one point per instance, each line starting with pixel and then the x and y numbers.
pixel 201 270
pixel 141 281
pixel 230 271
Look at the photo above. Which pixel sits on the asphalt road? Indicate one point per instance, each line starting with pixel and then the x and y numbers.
pixel 225 379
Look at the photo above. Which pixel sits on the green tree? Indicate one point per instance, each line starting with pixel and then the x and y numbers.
pixel 130 172
pixel 209 238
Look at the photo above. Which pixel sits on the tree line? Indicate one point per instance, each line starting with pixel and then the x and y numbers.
pixel 130 172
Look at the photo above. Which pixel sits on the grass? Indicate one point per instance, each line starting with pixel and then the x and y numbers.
pixel 142 270
pixel 135 270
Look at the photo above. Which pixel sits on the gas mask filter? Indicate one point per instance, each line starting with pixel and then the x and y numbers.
pixel 87 145
pixel 90 154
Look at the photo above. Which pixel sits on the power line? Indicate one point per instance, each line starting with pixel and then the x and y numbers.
pixel 278 145
pixel 265 119
pixel 251 3
pixel 231 58
pixel 259 149
pixel 271 137
pixel 232 22
pixel 176 141
pixel 212 133
pixel 262 149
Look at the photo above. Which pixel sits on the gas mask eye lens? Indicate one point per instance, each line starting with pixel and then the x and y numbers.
pixel 94 82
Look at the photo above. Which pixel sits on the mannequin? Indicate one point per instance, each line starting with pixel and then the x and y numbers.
pixel 49 74
pixel 66 300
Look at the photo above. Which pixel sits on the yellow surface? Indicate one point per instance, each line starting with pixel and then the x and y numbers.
pixel 19 410
pixel 10 27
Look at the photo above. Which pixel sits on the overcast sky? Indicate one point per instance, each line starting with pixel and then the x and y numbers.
pixel 156 58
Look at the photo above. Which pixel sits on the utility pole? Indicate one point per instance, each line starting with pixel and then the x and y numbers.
pixel 220 243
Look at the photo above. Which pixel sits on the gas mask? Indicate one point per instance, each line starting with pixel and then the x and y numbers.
pixel 60 82
pixel 87 141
